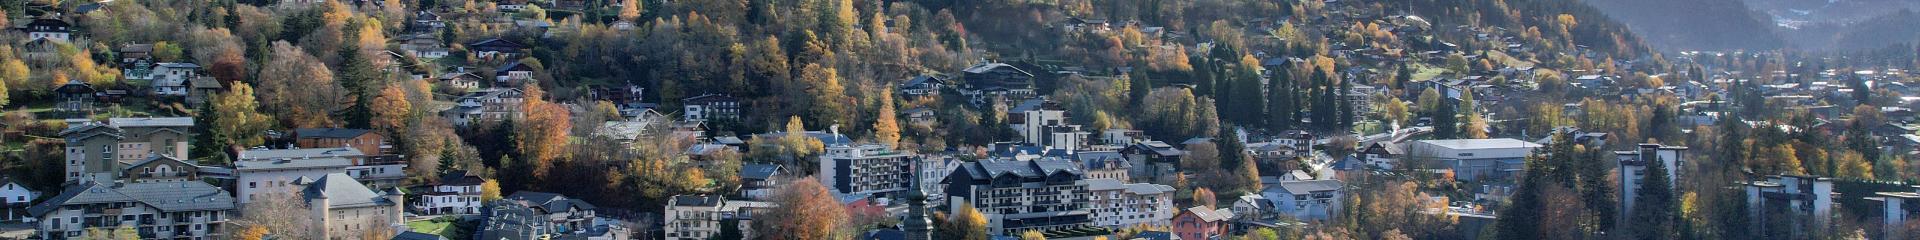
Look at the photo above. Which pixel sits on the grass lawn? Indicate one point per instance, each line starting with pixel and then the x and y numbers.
pixel 432 227
pixel 1425 72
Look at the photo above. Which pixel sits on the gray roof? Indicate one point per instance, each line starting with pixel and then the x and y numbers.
pixel 167 196
pixel 550 201
pixel 178 65
pixel 257 165
pixel 303 153
pixel 697 200
pixel 1025 169
pixel 1211 215
pixel 1107 184
pixel 1028 105
pixel 758 171
pixel 1494 143
pixel 412 235
pixel 151 122
pixel 1100 159
pixel 329 132
pixel 341 191
pixel 1299 187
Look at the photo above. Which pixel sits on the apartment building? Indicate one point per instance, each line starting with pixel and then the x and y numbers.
pixel 157 210
pixel 1017 196
pixel 1807 200
pixel 1116 204
pixel 1633 169
pixel 1305 200
pixel 456 193
pixel 870 169
pixel 700 217
pixel 100 151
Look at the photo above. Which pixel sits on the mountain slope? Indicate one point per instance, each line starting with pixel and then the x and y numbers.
pixel 1693 24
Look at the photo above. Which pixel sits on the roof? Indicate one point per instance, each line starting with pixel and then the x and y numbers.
pixel 412 235
pixel 497 42
pixel 205 82
pixel 1310 186
pixel 1028 105
pixel 176 65
pixel 550 201
pixel 461 178
pixel 697 201
pixel 301 153
pixel 253 165
pixel 758 171
pixel 1107 184
pixel 49 22
pixel 1025 169
pixel 166 196
pixel 151 122
pixel 329 132
pixel 988 67
pixel 1493 143
pixel 341 191
pixel 917 80
pixel 1210 215
pixel 158 157
pixel 1100 159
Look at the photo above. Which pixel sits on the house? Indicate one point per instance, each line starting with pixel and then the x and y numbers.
pixel 169 79
pixel 1383 155
pixel 344 209
pixel 701 217
pixel 1305 200
pixel 461 80
pixel 427 21
pixel 1633 169
pixel 49 29
pixel 1020 196
pixel 17 198
pixel 456 193
pixel 988 82
pixel 1116 204
pixel 870 169
pixel 1152 160
pixel 101 151
pixel 922 86
pixel 921 117
pixel 201 89
pixel 513 74
pixel 177 210
pixel 1792 199
pixel 758 180
pixel 381 171
pixel 1253 208
pixel 76 97
pixel 366 141
pixel 134 53
pixel 538 215
pixel 497 48
pixel 424 45
pixel 1202 222
pixel 512 5
pixel 710 107
pixel 1472 159
pixel 493 104
pixel 1104 165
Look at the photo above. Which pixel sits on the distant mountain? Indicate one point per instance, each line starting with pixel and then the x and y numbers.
pixel 1694 24
pixel 1896 28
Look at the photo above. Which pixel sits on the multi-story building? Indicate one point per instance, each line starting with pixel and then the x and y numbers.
pixel 1017 196
pixel 1104 165
pixel 1633 170
pixel 1472 159
pixel 457 193
pixel 1897 211
pixel 1804 200
pixel 866 170
pixel 344 209
pixel 1153 160
pixel 699 217
pixel 931 170
pixel 492 104
pixel 367 141
pixel 377 171
pixel 100 151
pixel 261 177
pixel 989 82
pixel 48 28
pixel 710 107
pixel 1305 200
pixel 1117 204
pixel 538 215
pixel 1202 222
pixel 170 79
pixel 157 210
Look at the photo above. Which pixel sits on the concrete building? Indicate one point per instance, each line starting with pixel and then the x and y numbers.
pixel 1039 121
pixel 870 169
pixel 1633 169
pixel 1104 165
pixel 1117 204
pixel 1017 196
pixel 1473 159
pixel 1804 200
pixel 376 171
pixel 342 208
pixel 1152 160
pixel 161 210
pixel 1305 200
pixel 710 107
pixel 101 151
pixel 455 194
pixel 258 178
pixel 1898 209
pixel 700 217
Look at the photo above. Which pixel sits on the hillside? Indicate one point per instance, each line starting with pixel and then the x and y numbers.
pixel 1694 24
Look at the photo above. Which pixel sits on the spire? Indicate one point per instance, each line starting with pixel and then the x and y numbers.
pixel 917 225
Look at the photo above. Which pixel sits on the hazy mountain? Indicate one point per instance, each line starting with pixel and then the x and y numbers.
pixel 1694 24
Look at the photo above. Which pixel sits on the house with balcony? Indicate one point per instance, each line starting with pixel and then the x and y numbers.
pixel 102 151
pixel 1305 200
pixel 710 107
pixel 1019 196
pixel 456 193
pixel 1202 222
pixel 866 170
pixel 989 82
pixel 156 210
pixel 493 104
pixel 700 217
pixel 1152 160
pixel 1116 204
pixel 48 28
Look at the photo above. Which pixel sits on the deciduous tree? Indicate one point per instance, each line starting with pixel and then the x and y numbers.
pixel 807 211
pixel 238 117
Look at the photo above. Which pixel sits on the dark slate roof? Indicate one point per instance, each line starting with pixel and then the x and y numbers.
pixel 916 80
pixel 550 201
pixel 461 179
pixel 758 171
pixel 885 234
pixel 167 196
pixel 412 235
pixel 341 191
pixel 1025 169
pixel 697 200
pixel 329 132
pixel 49 22
pixel 1100 159
pixel 496 42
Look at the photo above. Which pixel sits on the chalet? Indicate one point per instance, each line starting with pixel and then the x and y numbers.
pixel 539 215
pixel 757 180
pixel 922 86
pixel 710 107
pixel 497 48
pixel 76 96
pixel 485 105
pixel 16 198
pixel 134 52
pixel 455 193
pixel 169 79
pixel 201 89
pixel 425 45
pixel 427 21
pixel 513 74
pixel 461 80
pixel 988 82
pixel 1382 154
pixel 920 117
pixel 1201 222
pixel 1152 160
pixel 49 28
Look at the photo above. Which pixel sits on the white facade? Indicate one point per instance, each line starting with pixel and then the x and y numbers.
pixel 1121 205
pixel 701 217
pixel 1633 170
pixel 1805 197
pixel 866 169
pixel 1472 159
pixel 256 178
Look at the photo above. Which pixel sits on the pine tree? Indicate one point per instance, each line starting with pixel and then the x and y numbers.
pixel 1280 103
pixel 1346 108
pixel 205 145
pixel 1596 191
pixel 356 74
pixel 1444 120
pixel 1138 86
pixel 1521 218
pixel 1653 214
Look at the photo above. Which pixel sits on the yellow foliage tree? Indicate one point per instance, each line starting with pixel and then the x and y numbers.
pixel 885 127
pixel 1032 235
pixel 489 190
pixel 237 116
pixel 542 132
pixel 391 108
pixel 252 233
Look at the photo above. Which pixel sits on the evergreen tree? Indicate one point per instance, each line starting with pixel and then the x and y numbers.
pixel 1654 211
pixel 206 144
pixel 1346 110
pixel 1231 149
pixel 1138 86
pixel 1521 218
pixel 1596 191
pixel 1444 120
pixel 1281 107
pixel 356 74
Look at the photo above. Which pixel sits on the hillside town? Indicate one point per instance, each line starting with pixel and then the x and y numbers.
pixel 915 120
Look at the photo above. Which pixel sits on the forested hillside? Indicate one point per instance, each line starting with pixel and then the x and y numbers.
pixel 1694 24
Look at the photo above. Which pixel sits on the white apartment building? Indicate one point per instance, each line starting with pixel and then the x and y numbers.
pixel 1633 169
pixel 700 217
pixel 1805 199
pixel 866 170
pixel 455 194
pixel 159 210
pixel 1117 204
pixel 258 178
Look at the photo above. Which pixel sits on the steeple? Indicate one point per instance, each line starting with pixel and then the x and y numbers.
pixel 917 225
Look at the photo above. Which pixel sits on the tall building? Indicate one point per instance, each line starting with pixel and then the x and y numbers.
pixel 1633 167
pixel 1803 200
pixel 265 177
pixel 1017 196
pixel 1897 210
pixel 1117 204
pixel 100 151
pixel 870 169
pixel 344 209
pixel 157 210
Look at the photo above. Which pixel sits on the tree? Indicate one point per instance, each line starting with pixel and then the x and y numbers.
pixel 966 223
pixel 489 190
pixel 630 10
pixel 298 87
pixel 357 76
pixel 238 118
pixel 1444 119
pixel 391 109
pixel 1394 111
pixel 252 233
pixel 829 102
pixel 541 135
pixel 15 73
pixel 807 211
pixel 1205 197
pixel 282 215
pixel 885 127
pixel 1653 214
pixel 1032 235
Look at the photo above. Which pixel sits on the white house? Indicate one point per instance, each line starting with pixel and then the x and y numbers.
pixel 700 217
pixel 1120 205
pixel 17 197
pixel 1305 200
pixel 454 194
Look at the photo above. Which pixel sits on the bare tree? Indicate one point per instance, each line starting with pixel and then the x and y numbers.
pixel 285 216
